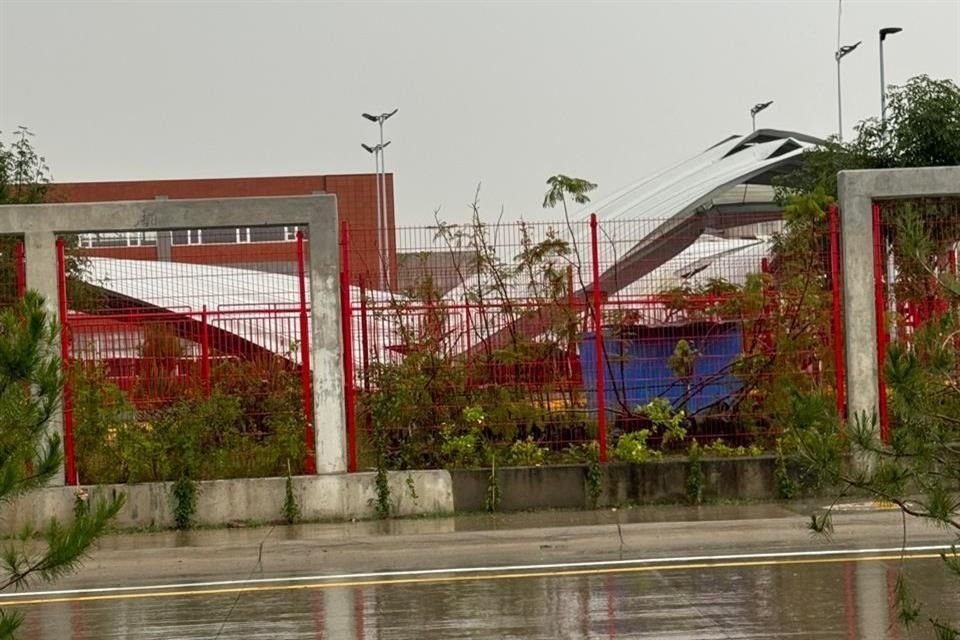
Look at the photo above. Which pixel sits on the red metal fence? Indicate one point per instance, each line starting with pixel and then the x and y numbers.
pixel 13 277
pixel 526 337
pixel 908 292
pixel 148 343
pixel 514 343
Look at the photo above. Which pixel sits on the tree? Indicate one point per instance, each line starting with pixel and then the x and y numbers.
pixel 561 187
pixel 24 174
pixel 918 470
pixel 25 179
pixel 922 129
pixel 31 382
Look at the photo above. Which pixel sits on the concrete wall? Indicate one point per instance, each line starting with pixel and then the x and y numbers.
pixel 222 502
pixel 565 486
pixel 40 224
pixel 346 496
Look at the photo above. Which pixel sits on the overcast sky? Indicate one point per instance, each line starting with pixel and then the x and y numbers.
pixel 499 93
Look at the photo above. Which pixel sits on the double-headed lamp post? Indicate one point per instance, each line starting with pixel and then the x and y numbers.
pixel 382 193
pixel 757 108
pixel 886 31
pixel 377 152
pixel 839 55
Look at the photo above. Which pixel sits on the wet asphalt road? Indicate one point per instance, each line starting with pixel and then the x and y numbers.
pixel 834 596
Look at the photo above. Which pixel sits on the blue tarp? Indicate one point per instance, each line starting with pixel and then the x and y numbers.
pixel 637 371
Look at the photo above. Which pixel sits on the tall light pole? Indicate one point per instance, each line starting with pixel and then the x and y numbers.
pixel 839 55
pixel 382 192
pixel 377 152
pixel 757 108
pixel 886 31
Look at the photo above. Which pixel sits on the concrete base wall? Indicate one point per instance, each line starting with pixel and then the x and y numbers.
pixel 222 502
pixel 559 487
pixel 346 496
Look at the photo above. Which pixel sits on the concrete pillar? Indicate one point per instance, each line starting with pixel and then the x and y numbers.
pixel 42 276
pixel 329 416
pixel 857 192
pixel 859 312
pixel 164 246
pixel 164 241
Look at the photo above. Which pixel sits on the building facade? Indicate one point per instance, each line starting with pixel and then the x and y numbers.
pixel 271 249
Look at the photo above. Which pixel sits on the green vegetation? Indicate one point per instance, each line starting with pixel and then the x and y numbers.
pixel 695 474
pixel 918 469
pixel 183 495
pixel 291 507
pixel 250 425
pixel 31 454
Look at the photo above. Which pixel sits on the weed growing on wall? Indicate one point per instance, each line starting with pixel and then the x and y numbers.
pixel 695 474
pixel 183 495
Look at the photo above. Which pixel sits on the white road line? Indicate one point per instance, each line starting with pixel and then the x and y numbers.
pixel 13 597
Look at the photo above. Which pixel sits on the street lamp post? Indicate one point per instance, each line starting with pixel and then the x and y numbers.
pixel 382 194
pixel 886 31
pixel 757 108
pixel 377 152
pixel 839 55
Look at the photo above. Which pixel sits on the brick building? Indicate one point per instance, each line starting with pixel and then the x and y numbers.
pixel 267 248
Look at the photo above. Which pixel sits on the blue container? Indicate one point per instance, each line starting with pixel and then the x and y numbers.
pixel 636 365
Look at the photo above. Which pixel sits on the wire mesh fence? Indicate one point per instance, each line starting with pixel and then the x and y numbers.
pixel 12 270
pixel 489 348
pixel 915 267
pixel 184 363
pixel 500 343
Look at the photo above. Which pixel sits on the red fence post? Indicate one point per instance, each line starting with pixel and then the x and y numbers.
pixel 880 306
pixel 204 352
pixel 835 286
pixel 21 270
pixel 70 469
pixel 598 340
pixel 364 336
pixel 346 319
pixel 365 340
pixel 310 464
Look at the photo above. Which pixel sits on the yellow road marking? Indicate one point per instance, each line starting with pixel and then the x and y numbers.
pixel 450 579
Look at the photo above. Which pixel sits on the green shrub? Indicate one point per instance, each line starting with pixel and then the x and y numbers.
pixel 720 449
pixel 527 453
pixel 183 495
pixel 695 474
pixel 632 447
pixel 250 425
pixel 459 451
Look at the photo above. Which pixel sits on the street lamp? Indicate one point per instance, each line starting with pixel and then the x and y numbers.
pixel 377 152
pixel 886 31
pixel 839 55
pixel 757 108
pixel 381 178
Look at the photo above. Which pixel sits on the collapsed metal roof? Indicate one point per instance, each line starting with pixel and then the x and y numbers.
pixel 259 307
pixel 654 230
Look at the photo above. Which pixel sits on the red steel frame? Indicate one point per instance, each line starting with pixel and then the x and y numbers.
pixel 590 302
pixel 70 472
pixel 880 303
pixel 598 340
pixel 346 322
pixel 836 284
pixel 205 351
pixel 310 465
pixel 21 271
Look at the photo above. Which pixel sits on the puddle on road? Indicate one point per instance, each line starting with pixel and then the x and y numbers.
pixel 834 600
